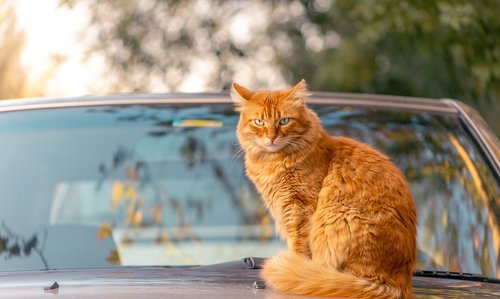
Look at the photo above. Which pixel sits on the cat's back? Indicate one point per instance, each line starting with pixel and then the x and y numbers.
pixel 357 168
pixel 365 205
pixel 359 158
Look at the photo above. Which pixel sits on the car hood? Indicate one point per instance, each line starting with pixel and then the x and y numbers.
pixel 197 282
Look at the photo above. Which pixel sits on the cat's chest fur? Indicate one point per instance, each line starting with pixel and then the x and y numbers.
pixel 286 183
pixel 272 178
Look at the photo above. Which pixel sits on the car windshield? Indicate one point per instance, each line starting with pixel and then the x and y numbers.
pixel 164 185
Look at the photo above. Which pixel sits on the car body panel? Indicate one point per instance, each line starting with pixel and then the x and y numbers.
pixel 191 283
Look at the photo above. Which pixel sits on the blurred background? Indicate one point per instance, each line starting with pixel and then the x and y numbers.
pixel 446 48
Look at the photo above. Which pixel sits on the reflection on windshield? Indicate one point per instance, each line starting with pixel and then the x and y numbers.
pixel 454 191
pixel 13 245
pixel 152 185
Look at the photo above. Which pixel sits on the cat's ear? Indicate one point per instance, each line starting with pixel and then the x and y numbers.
pixel 240 95
pixel 298 93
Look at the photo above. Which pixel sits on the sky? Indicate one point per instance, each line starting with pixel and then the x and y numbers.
pixel 54 31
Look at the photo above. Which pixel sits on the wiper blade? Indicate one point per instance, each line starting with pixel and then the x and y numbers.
pixel 244 263
pixel 455 275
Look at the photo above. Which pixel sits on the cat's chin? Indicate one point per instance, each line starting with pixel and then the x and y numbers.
pixel 272 148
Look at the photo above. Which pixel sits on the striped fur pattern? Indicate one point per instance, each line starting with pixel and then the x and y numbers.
pixel 343 208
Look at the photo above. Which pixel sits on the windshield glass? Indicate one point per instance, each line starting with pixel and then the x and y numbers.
pixel 165 185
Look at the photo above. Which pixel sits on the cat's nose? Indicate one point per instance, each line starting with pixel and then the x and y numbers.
pixel 272 134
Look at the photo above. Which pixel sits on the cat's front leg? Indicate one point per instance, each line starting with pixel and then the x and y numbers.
pixel 298 226
pixel 298 246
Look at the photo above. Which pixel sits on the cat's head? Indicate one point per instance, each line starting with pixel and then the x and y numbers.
pixel 272 121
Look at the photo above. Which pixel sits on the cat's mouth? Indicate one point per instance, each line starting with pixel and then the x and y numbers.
pixel 272 147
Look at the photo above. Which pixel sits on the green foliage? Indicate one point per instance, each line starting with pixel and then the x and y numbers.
pixel 415 48
pixel 446 48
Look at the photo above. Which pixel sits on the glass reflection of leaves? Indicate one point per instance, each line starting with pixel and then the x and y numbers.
pixel 12 245
pixel 130 179
pixel 125 193
pixel 446 175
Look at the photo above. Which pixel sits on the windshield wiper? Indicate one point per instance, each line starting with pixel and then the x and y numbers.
pixel 244 263
pixel 455 275
pixel 256 263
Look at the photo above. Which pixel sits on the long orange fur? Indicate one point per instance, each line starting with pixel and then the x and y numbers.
pixel 344 209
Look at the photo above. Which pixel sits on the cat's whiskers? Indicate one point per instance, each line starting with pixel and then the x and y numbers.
pixel 237 154
pixel 240 152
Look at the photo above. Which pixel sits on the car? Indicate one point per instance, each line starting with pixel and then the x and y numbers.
pixel 145 195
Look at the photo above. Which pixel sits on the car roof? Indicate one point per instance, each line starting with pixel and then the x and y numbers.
pixel 366 100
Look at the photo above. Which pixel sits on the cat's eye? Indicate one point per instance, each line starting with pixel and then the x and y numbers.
pixel 284 121
pixel 258 122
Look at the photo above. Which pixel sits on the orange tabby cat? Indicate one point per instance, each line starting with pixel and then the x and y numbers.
pixel 343 208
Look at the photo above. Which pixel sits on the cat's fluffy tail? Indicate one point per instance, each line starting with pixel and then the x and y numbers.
pixel 290 273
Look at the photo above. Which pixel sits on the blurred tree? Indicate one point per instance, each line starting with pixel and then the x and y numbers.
pixel 161 45
pixel 433 49
pixel 12 76
pixel 448 48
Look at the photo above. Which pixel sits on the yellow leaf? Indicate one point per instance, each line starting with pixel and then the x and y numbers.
pixel 130 193
pixel 116 194
pixel 137 218
pixel 105 231
pixel 113 257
